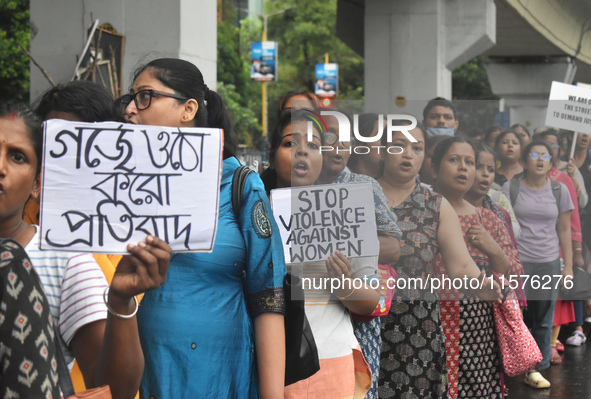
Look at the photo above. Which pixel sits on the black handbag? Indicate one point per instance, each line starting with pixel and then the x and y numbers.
pixel 581 286
pixel 301 354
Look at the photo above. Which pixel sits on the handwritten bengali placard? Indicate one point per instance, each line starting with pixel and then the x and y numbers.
pixel 316 221
pixel 105 185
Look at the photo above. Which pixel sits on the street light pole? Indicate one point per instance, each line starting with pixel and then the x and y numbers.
pixel 264 113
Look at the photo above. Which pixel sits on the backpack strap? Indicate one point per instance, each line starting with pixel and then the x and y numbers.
pixel 557 191
pixel 514 186
pixel 238 182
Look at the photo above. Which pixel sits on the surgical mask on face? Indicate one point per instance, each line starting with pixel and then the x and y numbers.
pixel 440 131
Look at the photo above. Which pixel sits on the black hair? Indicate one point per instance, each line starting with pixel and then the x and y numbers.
pixel 483 147
pixel 308 94
pixel 488 132
pixel 366 125
pixel 506 132
pixel 545 133
pixel 269 175
pixel 13 109
pixel 444 146
pixel 86 100
pixel 526 130
pixel 433 141
pixel 187 80
pixel 403 122
pixel 286 119
pixel 527 149
pixel 438 101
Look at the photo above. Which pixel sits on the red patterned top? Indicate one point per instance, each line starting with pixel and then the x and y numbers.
pixel 450 314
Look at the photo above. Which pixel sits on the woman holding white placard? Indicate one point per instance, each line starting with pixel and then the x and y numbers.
pixel 105 343
pixel 295 162
pixel 215 329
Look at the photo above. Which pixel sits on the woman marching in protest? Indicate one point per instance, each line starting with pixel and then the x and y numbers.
pixel 105 344
pixel 472 354
pixel 335 170
pixel 296 162
pixel 236 290
pixel 413 350
pixel 543 208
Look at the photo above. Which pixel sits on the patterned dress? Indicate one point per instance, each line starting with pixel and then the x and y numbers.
pixel 27 341
pixel 197 330
pixel 412 361
pixel 368 332
pixel 473 365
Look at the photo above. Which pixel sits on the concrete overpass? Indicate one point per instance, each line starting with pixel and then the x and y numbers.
pixel 412 47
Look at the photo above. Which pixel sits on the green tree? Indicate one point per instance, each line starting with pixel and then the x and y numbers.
pixel 304 34
pixel 476 104
pixel 15 29
pixel 241 95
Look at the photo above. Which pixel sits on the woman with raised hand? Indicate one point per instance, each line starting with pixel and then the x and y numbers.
pixel 105 343
pixel 296 162
pixel 413 356
pixel 215 328
pixel 472 355
pixel 481 194
pixel 543 208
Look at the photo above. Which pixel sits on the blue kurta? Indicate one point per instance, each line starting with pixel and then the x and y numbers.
pixel 196 330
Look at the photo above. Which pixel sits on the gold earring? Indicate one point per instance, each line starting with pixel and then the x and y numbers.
pixel 185 117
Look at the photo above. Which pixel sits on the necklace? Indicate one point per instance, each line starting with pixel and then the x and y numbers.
pixel 402 193
pixel 18 227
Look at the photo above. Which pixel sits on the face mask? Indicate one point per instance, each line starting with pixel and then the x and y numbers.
pixel 440 131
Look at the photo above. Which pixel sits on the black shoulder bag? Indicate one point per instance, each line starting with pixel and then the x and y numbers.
pixel 301 354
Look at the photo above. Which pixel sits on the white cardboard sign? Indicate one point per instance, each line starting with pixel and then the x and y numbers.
pixel 316 221
pixel 569 107
pixel 105 185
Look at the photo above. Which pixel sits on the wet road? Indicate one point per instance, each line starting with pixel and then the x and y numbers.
pixel 570 380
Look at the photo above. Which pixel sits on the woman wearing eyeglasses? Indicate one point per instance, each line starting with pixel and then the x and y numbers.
pixel 215 328
pixel 538 209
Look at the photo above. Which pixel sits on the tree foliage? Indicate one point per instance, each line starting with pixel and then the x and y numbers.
pixel 305 33
pixel 234 85
pixel 476 104
pixel 15 29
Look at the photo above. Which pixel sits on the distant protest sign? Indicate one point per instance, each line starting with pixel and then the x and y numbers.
pixel 569 107
pixel 316 221
pixel 105 185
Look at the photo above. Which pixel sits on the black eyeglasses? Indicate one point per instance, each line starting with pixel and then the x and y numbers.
pixel 143 99
pixel 330 138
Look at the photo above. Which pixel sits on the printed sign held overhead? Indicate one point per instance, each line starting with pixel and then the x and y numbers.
pixel 569 107
pixel 316 221
pixel 109 184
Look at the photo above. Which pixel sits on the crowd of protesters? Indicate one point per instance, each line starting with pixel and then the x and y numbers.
pixel 506 204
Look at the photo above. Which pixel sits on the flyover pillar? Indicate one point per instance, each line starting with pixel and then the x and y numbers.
pixel 524 83
pixel 412 47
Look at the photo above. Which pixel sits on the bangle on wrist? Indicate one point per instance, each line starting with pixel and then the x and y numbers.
pixel 502 259
pixel 577 249
pixel 348 295
pixel 112 311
